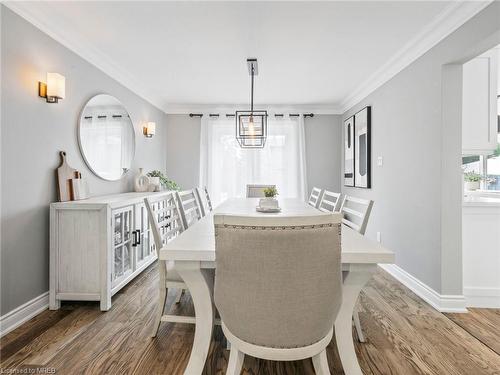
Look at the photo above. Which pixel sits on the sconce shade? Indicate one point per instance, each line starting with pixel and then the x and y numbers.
pixel 149 129
pixel 56 86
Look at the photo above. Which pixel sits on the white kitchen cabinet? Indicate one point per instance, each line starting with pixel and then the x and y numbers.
pixel 479 107
pixel 97 246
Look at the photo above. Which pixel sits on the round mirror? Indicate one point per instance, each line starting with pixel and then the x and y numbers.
pixel 106 136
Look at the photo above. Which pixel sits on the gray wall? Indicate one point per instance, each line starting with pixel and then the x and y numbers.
pixel 32 133
pixel 417 192
pixel 183 149
pixel 323 150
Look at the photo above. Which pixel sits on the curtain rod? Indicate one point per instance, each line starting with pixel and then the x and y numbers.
pixel 232 115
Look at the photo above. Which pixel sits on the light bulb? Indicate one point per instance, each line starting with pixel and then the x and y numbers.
pixel 251 127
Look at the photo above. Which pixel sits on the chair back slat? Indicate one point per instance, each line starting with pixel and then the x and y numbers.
pixel 330 201
pixel 315 196
pixel 189 207
pixel 204 200
pixel 257 191
pixel 356 212
pixel 257 293
pixel 164 217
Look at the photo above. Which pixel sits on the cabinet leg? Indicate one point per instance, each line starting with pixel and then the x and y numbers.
pixel 54 304
pixel 105 303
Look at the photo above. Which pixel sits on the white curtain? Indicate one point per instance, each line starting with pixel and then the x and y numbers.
pixel 226 168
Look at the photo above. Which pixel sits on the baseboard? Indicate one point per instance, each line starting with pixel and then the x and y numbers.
pixel 23 313
pixel 441 302
pixel 482 297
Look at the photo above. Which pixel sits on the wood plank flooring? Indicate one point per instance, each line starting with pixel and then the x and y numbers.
pixel 405 337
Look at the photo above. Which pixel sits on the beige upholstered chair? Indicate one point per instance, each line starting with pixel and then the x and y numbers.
pixel 356 212
pixel 204 201
pixel 315 196
pixel 166 224
pixel 257 191
pixel 330 201
pixel 267 311
pixel 189 207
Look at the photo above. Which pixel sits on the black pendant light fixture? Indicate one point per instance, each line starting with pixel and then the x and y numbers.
pixel 251 126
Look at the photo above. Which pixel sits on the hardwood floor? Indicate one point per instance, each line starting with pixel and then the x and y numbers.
pixel 405 336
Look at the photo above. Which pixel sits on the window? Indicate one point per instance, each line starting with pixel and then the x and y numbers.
pixel 487 166
pixel 226 168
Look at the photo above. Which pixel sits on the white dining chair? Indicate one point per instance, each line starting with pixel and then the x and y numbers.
pixel 204 201
pixel 315 196
pixel 293 319
pixel 355 215
pixel 166 224
pixel 257 191
pixel 330 202
pixel 189 207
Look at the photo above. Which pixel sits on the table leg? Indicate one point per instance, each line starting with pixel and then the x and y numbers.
pixel 200 286
pixel 358 276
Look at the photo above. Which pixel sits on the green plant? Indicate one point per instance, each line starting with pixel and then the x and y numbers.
pixel 270 192
pixel 164 180
pixel 472 177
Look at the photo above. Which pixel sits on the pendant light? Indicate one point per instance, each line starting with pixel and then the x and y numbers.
pixel 251 126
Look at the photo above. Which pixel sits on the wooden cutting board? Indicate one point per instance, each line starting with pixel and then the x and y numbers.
pixel 64 175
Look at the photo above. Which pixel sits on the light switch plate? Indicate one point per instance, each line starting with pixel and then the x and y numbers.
pixel 379 237
pixel 380 161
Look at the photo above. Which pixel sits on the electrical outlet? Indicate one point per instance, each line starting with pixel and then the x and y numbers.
pixel 380 161
pixel 379 237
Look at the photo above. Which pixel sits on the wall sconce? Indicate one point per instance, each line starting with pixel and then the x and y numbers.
pixel 54 89
pixel 149 129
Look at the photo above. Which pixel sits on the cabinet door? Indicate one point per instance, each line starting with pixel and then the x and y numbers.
pixel 479 110
pixel 144 246
pixel 122 225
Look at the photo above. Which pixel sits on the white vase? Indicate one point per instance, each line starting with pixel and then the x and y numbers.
pixel 471 185
pixel 154 184
pixel 268 202
pixel 141 182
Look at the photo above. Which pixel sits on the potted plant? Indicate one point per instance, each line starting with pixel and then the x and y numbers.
pixel 472 180
pixel 270 200
pixel 159 180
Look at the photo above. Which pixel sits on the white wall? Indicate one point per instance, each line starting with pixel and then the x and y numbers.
pixel 33 132
pixel 323 150
pixel 417 192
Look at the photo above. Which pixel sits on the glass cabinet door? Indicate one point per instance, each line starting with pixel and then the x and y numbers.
pixel 122 226
pixel 144 244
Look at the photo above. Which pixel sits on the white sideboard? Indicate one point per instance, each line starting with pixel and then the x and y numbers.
pixel 97 246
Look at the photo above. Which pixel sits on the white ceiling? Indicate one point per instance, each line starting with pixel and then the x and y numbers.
pixel 192 54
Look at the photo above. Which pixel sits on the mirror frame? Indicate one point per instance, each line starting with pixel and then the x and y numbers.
pixel 80 146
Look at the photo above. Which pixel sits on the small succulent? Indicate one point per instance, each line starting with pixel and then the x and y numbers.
pixel 270 192
pixel 165 182
pixel 472 177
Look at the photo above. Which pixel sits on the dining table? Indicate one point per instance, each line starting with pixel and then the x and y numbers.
pixel 193 252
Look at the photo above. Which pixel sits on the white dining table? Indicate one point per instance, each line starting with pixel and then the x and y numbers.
pixel 193 252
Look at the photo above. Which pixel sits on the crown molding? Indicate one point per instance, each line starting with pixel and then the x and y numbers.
pixel 441 26
pixel 83 48
pixel 317 109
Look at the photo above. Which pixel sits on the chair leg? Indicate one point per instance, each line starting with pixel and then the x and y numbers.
pixel 357 324
pixel 162 295
pixel 235 363
pixel 180 292
pixel 162 298
pixel 320 363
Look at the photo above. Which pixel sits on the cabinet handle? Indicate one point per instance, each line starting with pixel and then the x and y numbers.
pixel 138 237
pixel 134 238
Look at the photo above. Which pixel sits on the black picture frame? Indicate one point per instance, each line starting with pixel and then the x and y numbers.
pixel 362 148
